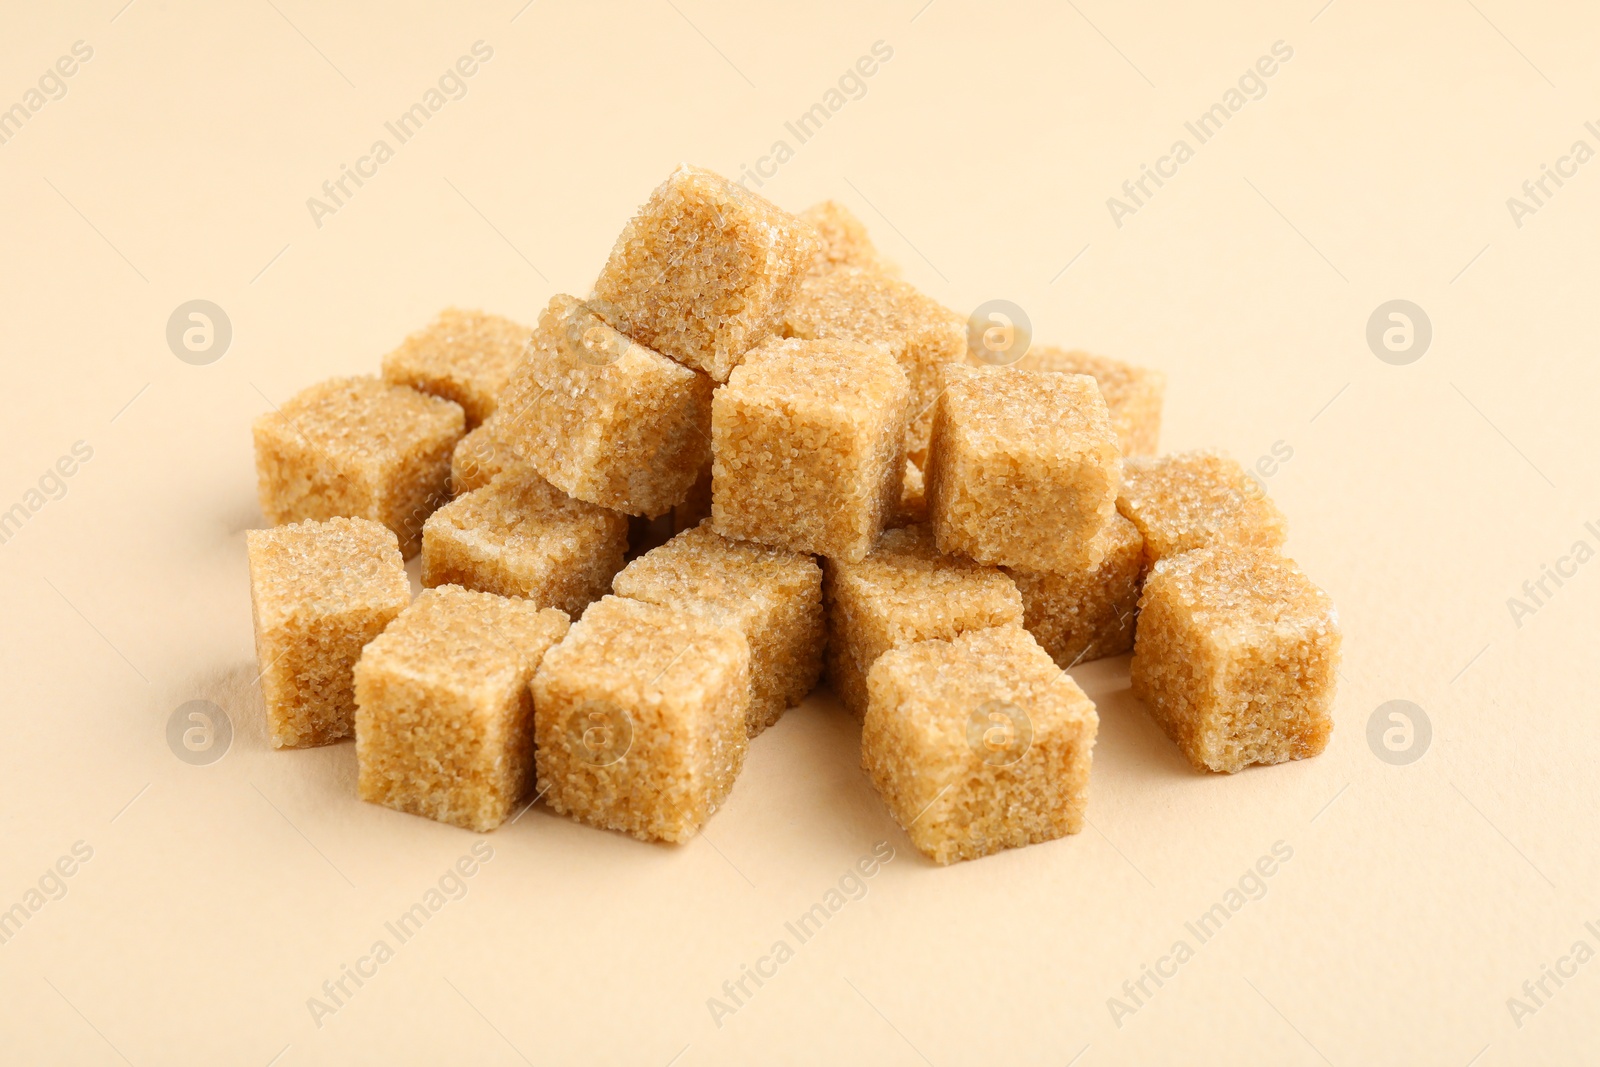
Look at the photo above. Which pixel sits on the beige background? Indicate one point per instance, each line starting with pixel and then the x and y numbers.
pixel 1377 166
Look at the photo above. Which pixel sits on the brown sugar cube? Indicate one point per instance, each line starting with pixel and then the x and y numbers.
pixel 1133 394
pixel 360 448
pixel 978 744
pixel 704 272
pixel 465 356
pixel 1086 613
pixel 857 304
pixel 771 595
pixel 808 447
pixel 844 240
pixel 604 419
pixel 1189 500
pixel 1024 468
pixel 521 536
pixel 444 715
pixel 905 592
pixel 1236 657
pixel 482 454
pixel 319 591
pixel 913 498
pixel 639 718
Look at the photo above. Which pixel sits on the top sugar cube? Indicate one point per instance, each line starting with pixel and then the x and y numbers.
pixel 705 271
pixel 1023 468
pixel 465 356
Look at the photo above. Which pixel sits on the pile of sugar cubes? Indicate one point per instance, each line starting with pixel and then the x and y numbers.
pixel 750 455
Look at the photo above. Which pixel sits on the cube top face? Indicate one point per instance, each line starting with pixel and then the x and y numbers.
pixel 572 338
pixel 1133 394
pixel 521 536
pixel 310 570
pixel 1116 379
pixel 937 685
pixel 1189 500
pixel 521 511
pixel 853 303
pixel 905 591
pixel 575 351
pixel 648 656
pixel 364 425
pixel 842 380
pixel 1004 413
pixel 845 242
pixel 459 641
pixel 704 271
pixel 605 419
pixel 464 356
pixel 730 582
pixel 1241 597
